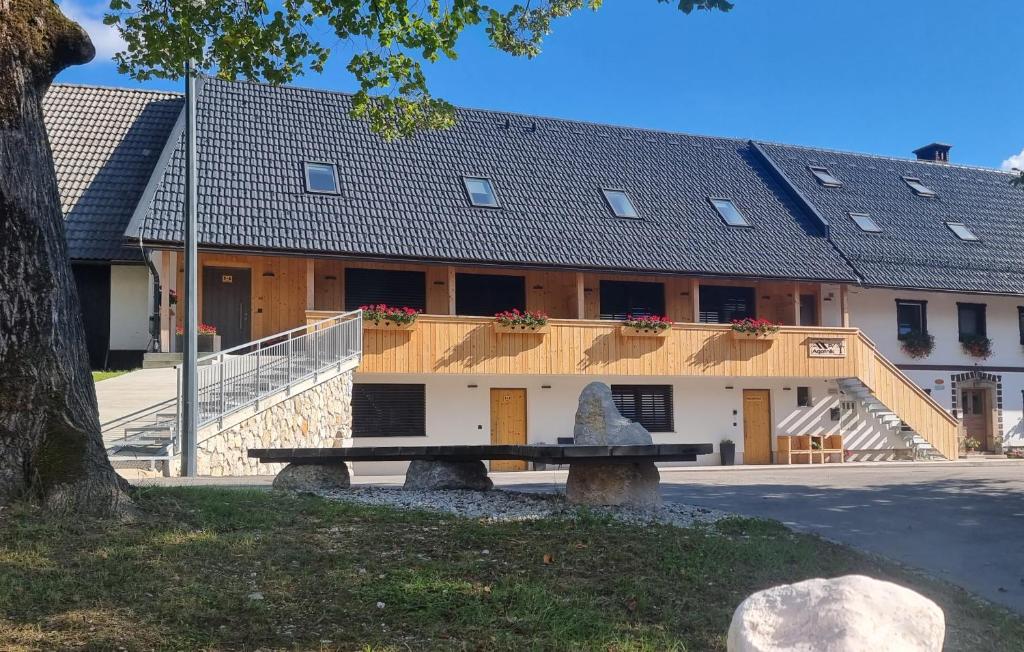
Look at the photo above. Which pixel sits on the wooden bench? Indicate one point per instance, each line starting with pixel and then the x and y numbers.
pixel 809 449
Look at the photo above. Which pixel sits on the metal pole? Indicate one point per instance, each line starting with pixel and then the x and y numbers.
pixel 189 393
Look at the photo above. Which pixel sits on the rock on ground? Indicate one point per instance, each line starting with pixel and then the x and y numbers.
pixel 600 483
pixel 846 614
pixel 313 478
pixel 430 474
pixel 599 423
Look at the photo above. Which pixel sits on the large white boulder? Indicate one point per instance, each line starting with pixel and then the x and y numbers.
pixel 599 423
pixel 846 614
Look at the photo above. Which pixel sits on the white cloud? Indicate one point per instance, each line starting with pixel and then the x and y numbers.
pixel 1016 161
pixel 104 37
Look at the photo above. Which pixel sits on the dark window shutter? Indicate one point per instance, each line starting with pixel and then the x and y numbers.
pixel 373 286
pixel 721 304
pixel 380 410
pixel 639 299
pixel 648 405
pixel 485 295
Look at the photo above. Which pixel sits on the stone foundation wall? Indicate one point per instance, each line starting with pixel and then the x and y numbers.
pixel 319 417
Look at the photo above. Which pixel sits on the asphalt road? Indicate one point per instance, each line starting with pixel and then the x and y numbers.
pixel 961 523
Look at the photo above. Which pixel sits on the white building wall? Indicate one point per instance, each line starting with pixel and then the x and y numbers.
pixel 130 307
pixel 874 311
pixel 831 308
pixel 705 411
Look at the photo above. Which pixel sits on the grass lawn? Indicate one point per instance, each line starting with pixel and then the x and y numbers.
pixel 235 569
pixel 97 376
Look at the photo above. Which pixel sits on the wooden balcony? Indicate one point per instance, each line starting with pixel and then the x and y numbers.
pixel 471 345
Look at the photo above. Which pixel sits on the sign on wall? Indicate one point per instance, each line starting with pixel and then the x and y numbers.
pixel 826 348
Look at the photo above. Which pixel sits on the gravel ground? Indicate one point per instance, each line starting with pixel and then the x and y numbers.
pixel 500 505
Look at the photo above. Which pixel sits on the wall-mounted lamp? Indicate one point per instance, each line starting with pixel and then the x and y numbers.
pixel 545 386
pixel 330 278
pixel 269 274
pixel 471 386
pixel 728 386
pixel 538 287
pixel 438 282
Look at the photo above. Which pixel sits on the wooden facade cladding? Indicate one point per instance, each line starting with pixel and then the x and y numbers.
pixel 281 291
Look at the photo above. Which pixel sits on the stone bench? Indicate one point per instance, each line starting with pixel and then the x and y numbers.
pixel 598 475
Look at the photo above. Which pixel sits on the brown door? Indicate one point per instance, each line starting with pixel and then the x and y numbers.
pixel 975 407
pixel 227 303
pixel 508 424
pixel 757 426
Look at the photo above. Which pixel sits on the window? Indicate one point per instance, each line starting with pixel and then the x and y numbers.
pixel 321 178
pixel 380 410
pixel 918 187
pixel 803 397
pixel 865 222
pixel 366 286
pixel 620 203
pixel 1020 322
pixel 911 317
pixel 721 304
pixel 971 320
pixel 825 177
pixel 484 295
pixel 621 298
pixel 729 212
pixel 961 231
pixel 480 191
pixel 648 405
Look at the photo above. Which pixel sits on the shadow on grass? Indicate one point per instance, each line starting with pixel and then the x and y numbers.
pixel 232 569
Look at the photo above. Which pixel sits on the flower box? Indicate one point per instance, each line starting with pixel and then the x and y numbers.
pixel 385 325
pixel 526 322
pixel 636 331
pixel 521 329
pixel 205 343
pixel 739 335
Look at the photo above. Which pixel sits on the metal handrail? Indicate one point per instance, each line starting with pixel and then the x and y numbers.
pixel 230 380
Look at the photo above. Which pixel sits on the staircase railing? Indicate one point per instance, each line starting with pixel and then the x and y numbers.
pixel 242 376
pixel 913 405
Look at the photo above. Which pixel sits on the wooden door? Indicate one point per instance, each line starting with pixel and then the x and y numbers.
pixel 976 414
pixel 508 424
pixel 757 426
pixel 227 303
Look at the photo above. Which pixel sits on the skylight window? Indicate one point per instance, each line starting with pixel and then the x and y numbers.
pixel 729 212
pixel 961 231
pixel 918 187
pixel 825 177
pixel 480 191
pixel 321 178
pixel 865 222
pixel 620 203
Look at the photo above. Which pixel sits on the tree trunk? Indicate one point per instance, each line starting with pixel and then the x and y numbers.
pixel 50 443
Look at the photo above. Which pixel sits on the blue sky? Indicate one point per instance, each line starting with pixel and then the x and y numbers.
pixel 879 76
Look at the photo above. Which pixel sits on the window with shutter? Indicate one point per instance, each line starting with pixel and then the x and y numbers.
pixel 721 304
pixel 373 286
pixel 621 298
pixel 384 410
pixel 484 295
pixel 648 405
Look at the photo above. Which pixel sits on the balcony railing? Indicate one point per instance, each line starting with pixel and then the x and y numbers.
pixel 470 345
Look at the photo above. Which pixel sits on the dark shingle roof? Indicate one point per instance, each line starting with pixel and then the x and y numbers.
pixel 915 248
pixel 405 199
pixel 105 142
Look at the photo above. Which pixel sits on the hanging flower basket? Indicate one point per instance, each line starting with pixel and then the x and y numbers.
pixel 388 318
pixel 647 326
pixel 754 329
pixel 522 322
pixel 918 345
pixel 977 346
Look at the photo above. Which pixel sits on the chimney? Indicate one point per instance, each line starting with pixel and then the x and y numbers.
pixel 934 153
